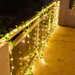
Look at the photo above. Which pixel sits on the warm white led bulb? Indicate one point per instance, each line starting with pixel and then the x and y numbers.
pixel 7 35
pixel 11 33
pixel 42 36
pixel 3 40
pixel 20 58
pixel 12 67
pixel 28 60
pixel 34 38
pixel 27 41
pixel 23 25
pixel 15 30
pixel 23 41
pixel 20 27
pixel 20 63
pixel 28 36
pixel 11 59
pixel 20 52
pixel 42 29
pixel 10 52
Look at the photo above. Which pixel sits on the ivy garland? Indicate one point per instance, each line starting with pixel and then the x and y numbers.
pixel 41 45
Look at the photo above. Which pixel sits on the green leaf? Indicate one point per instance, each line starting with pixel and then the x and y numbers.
pixel 14 45
pixel 10 29
pixel 1 35
pixel 22 22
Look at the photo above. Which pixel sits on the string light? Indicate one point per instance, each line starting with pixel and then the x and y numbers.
pixel 43 61
pixel 7 35
pixel 20 58
pixel 28 60
pixel 54 23
pixel 3 40
pixel 28 36
pixel 23 41
pixel 22 71
pixel 20 63
pixel 42 29
pixel 12 67
pixel 27 41
pixel 20 52
pixel 34 38
pixel 15 30
pixel 25 35
pixel 20 27
pixel 38 39
pixel 11 59
pixel 26 57
pixel 23 26
pixel 11 33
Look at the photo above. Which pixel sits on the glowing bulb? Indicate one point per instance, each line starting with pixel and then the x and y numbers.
pixel 27 41
pixel 20 58
pixel 38 39
pixel 15 30
pixel 20 52
pixel 23 25
pixel 23 41
pixel 27 24
pixel 28 60
pixel 42 29
pixel 7 35
pixel 12 67
pixel 11 59
pixel 46 26
pixel 10 52
pixel 42 36
pixel 32 54
pixel 26 57
pixel 20 63
pixel 3 40
pixel 37 47
pixel 20 27
pixel 34 33
pixel 43 61
pixel 21 71
pixel 11 33
pixel 33 46
pixel 28 69
pixel 42 41
pixel 34 38
pixel 10 43
pixel 27 35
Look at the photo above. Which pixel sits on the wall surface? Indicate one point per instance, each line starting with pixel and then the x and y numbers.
pixel 4 60
pixel 66 16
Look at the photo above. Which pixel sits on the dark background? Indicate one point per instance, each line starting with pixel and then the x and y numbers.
pixel 13 12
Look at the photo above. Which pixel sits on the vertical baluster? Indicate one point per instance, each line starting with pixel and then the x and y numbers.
pixel 49 23
pixel 37 36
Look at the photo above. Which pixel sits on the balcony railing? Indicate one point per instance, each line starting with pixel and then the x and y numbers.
pixel 25 42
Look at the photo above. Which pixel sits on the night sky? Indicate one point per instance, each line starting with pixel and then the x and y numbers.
pixel 20 6
pixel 21 9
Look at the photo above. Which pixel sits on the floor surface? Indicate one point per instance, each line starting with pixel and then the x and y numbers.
pixel 59 53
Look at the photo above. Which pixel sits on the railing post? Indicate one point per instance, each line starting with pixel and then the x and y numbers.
pixel 4 59
pixel 49 23
pixel 37 35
